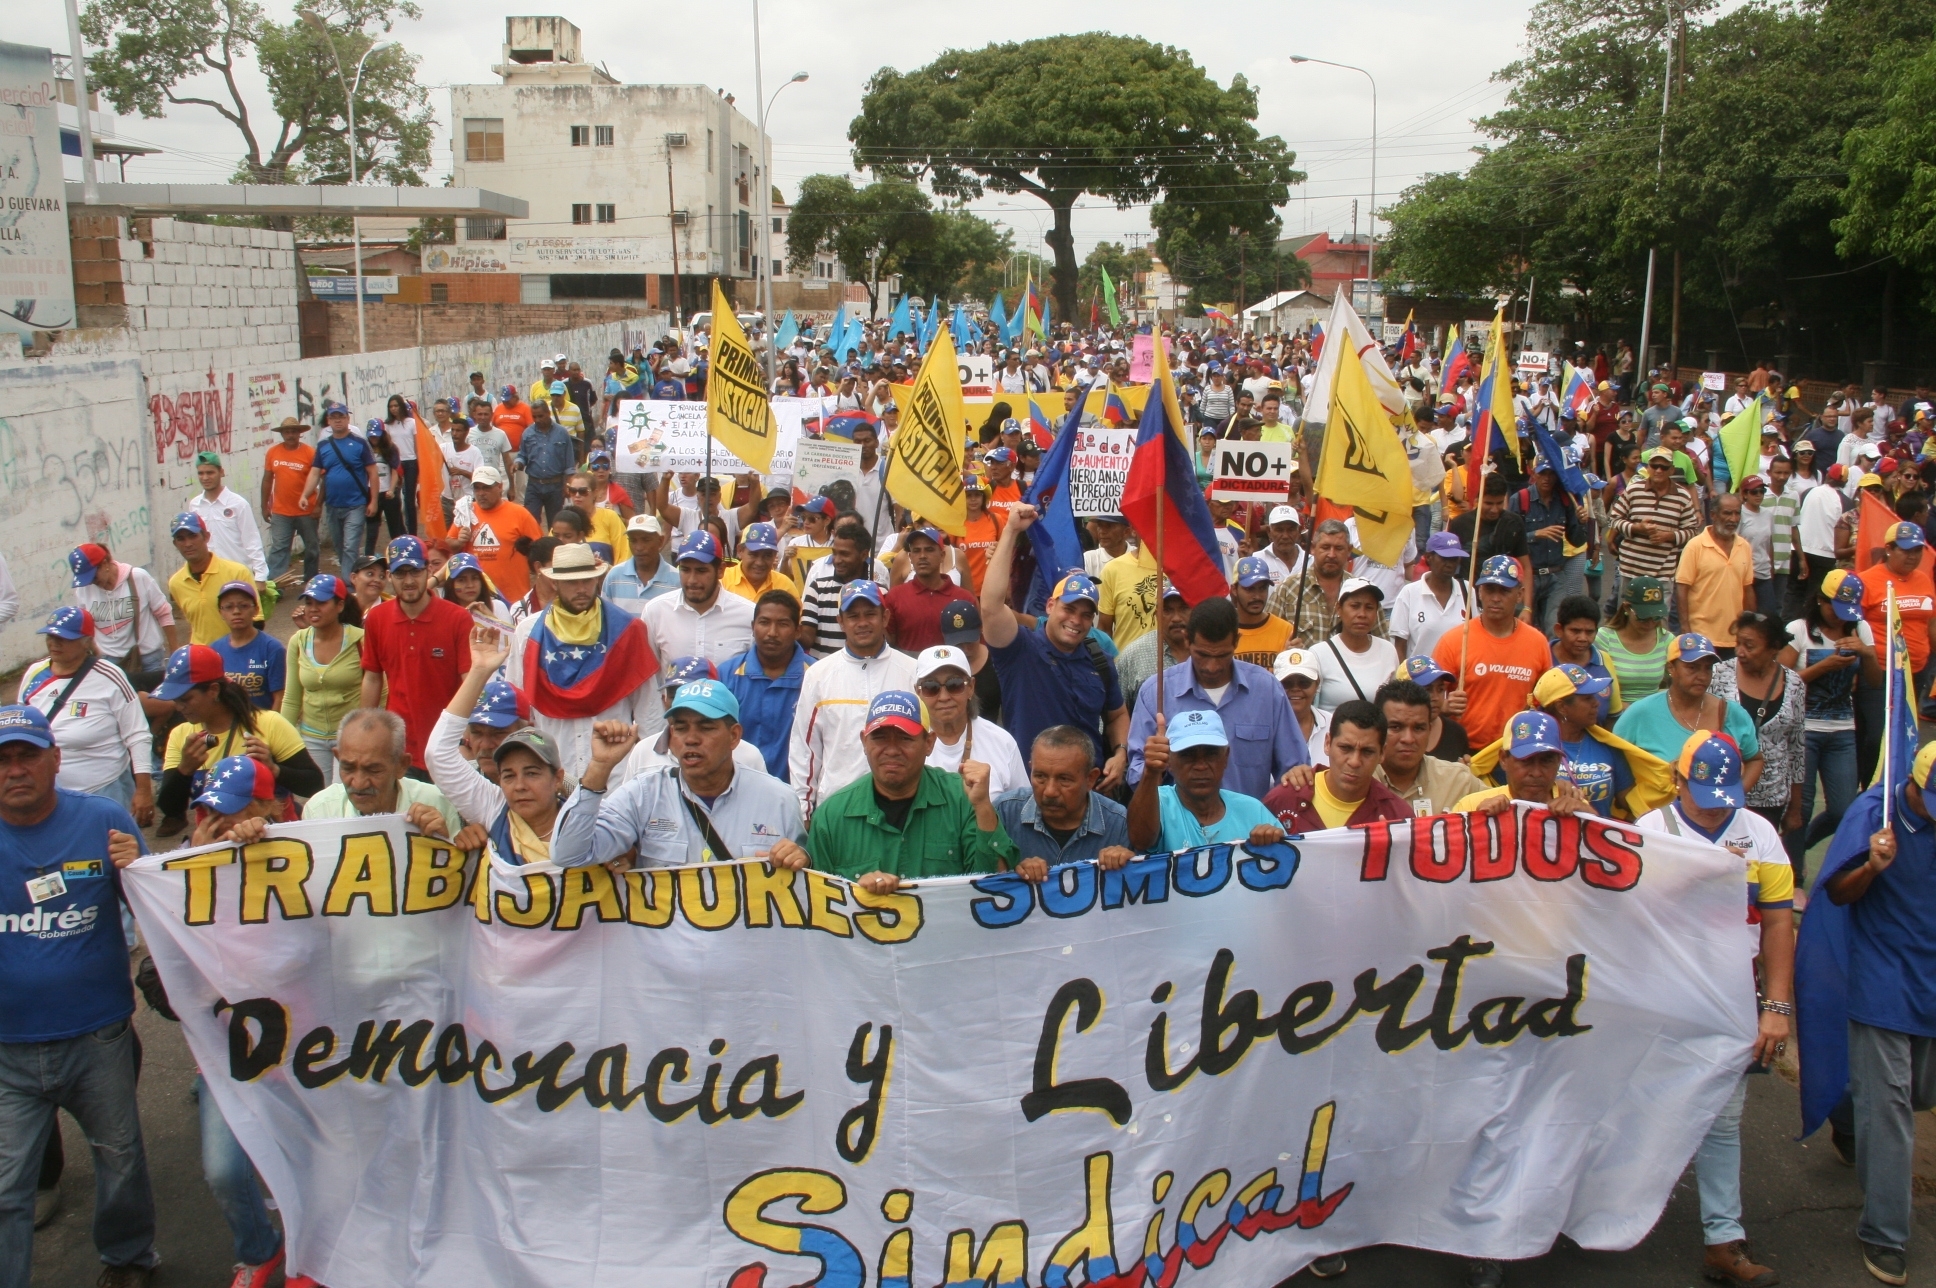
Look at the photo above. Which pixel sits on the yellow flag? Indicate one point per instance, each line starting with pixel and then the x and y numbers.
pixel 1364 465
pixel 737 411
pixel 924 460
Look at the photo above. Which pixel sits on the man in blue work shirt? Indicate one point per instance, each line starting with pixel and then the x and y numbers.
pixel 66 1003
pixel 766 678
pixel 546 455
pixel 345 470
pixel 1060 817
pixel 645 576
pixel 1265 739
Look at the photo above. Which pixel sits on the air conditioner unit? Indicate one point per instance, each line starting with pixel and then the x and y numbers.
pixel 681 218
pixel 677 140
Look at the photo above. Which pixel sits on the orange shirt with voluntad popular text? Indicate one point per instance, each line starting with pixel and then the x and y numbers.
pixel 288 469
pixel 1915 604
pixel 1498 674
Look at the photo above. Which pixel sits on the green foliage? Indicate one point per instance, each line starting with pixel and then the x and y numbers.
pixel 158 54
pixel 1059 117
pixel 869 230
pixel 1891 198
pixel 1123 266
pixel 1242 270
pixel 963 253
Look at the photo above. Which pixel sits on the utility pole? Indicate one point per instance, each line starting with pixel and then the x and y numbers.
pixel 1660 169
pixel 672 221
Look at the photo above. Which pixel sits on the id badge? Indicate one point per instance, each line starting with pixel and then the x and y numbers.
pixel 51 886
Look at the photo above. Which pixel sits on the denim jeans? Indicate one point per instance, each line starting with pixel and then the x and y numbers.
pixel 1422 526
pixel 1832 756
pixel 345 533
pixel 323 752
pixel 1892 1078
pixel 1771 595
pixel 1549 590
pixel 282 529
pixel 548 496
pixel 93 1078
pixel 1717 1172
pixel 231 1178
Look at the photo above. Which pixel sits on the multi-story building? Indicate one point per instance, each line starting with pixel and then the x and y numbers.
pixel 632 188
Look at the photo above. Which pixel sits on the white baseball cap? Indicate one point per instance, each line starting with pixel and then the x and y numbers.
pixel 1352 585
pixel 1294 661
pixel 488 476
pixel 940 658
pixel 644 523
pixel 1284 514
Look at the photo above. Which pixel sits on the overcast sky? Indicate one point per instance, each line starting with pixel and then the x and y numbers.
pixel 1433 63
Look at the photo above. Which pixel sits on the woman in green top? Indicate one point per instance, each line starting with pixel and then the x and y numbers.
pixel 1634 644
pixel 324 675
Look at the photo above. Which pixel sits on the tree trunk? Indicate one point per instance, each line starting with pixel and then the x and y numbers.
pixel 1062 240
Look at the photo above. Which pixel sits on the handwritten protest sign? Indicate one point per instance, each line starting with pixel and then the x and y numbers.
pixel 1098 470
pixel 1252 472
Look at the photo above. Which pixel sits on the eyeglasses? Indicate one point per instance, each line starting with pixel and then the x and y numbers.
pixel 1658 465
pixel 578 491
pixel 931 688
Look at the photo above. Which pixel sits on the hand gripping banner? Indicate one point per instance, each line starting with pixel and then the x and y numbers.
pixel 1468 1033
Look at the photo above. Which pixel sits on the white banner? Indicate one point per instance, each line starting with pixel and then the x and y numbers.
pixel 1468 1034
pixel 1252 471
pixel 817 462
pixel 1099 470
pixel 657 435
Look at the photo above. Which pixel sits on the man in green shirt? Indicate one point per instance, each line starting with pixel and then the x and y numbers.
pixel 371 761
pixel 903 820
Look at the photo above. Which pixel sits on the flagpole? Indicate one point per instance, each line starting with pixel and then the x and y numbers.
pixel 1889 714
pixel 1162 495
pixel 1472 578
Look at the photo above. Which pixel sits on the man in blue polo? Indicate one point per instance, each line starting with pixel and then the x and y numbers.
pixel 765 679
pixel 66 1002
pixel 345 470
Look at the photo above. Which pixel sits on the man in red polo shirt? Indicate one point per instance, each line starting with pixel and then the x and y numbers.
pixel 914 607
pixel 419 645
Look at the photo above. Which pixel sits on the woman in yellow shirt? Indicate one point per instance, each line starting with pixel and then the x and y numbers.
pixel 220 721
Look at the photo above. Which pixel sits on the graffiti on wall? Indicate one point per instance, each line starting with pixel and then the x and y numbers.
pixel 199 419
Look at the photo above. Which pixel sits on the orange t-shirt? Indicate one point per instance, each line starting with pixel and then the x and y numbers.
pixel 513 421
pixel 1499 674
pixel 288 470
pixel 978 543
pixel 494 542
pixel 1003 498
pixel 1915 604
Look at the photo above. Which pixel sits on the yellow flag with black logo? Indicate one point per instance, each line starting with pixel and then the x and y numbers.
pixel 1364 465
pixel 737 411
pixel 924 460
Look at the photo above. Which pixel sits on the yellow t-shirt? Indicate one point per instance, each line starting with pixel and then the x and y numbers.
pixel 1130 584
pixel 1469 803
pixel 733 578
pixel 196 597
pixel 610 529
pixel 1262 644
pixel 284 742
pixel 1334 812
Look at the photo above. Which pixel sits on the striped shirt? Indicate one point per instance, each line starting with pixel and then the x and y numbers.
pixel 1642 556
pixel 1786 509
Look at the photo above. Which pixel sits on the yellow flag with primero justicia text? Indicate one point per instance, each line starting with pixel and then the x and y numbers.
pixel 924 458
pixel 737 411
pixel 1363 464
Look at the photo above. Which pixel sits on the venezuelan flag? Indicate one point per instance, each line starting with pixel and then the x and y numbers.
pixel 1162 478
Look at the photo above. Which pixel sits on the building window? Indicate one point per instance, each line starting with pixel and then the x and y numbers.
pixel 779 225
pixel 581 212
pixel 777 268
pixel 484 139
pixel 709 151
pixel 607 213
pixel 581 136
pixel 602 136
pixel 598 286
pixel 440 292
pixel 745 231
pixel 485 230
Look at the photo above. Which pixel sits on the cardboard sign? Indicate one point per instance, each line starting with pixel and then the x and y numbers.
pixel 818 462
pixel 1098 471
pixel 1252 472
pixel 1533 362
pixel 1715 380
pixel 976 369
pixel 1142 359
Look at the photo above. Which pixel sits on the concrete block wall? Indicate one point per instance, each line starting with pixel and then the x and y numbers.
pixel 198 294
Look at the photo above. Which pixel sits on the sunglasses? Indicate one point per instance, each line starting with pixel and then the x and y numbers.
pixel 578 491
pixel 931 688
pixel 1659 465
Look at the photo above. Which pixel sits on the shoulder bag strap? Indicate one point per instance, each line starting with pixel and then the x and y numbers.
pixel 1332 644
pixel 68 692
pixel 362 487
pixel 720 851
pixel 134 616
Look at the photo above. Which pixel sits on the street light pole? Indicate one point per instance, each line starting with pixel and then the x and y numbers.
pixel 350 87
pixel 765 204
pixel 1371 236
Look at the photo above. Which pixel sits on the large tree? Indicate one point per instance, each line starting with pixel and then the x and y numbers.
pixel 1057 118
pixel 158 54
pixel 960 250
pixel 870 230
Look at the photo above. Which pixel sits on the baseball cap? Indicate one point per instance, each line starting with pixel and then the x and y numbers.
pixel 188 666
pixel 684 670
pixel 1691 646
pixel 84 561
pixel 927 530
pixel 974 481
pixel 509 392
pixel 1284 514
pixel 557 387
pixel 1836 474
pixel 999 456
pixel 247 588
pixel 1803 445
pixel 461 562
pixel 562 360
pixel 1252 571
pixel 1711 764
pixel 819 505
pixel 535 741
pixel 1171 592
pixel 234 782
pixel 1500 570
pixel 1904 536
pixel 856 591
pixel 760 536
pixel 497 706
pixel 1569 680
pixel 406 552
pixel 1074 588
pixel 576 563
pixel 649 523
pixel 941 657
pixel 1844 591
pixel 22 723
pixel 1295 661
pixel 961 622
pixel 187 521
pixel 69 623
pixel 1647 596
pixel 1352 585
pixel 1920 767
pixel 698 547
pixel 209 458
pixel 1446 546
pixel 1189 729
pixel 324 586
pixel 708 698
pixel 896 709
pixel 1660 454
pixel 1532 733
pixel 488 476
pixel 597 459
pixel 1421 670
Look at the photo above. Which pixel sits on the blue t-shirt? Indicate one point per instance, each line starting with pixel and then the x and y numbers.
pixel 344 462
pixel 1599 771
pixel 1182 830
pixel 1649 724
pixel 766 706
pixel 257 668
pixel 63 962
pixel 1892 927
pixel 1043 686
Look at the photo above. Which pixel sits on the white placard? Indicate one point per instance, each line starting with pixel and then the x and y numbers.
pixel 1714 380
pixel 654 435
pixel 1533 362
pixel 976 368
pixel 817 462
pixel 1252 471
pixel 1098 469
